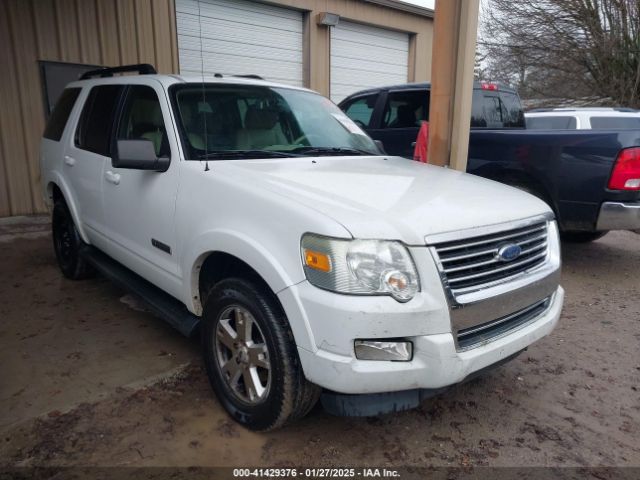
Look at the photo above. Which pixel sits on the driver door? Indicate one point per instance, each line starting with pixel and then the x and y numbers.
pixel 139 205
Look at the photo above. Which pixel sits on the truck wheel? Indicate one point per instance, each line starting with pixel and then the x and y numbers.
pixel 581 237
pixel 67 244
pixel 251 357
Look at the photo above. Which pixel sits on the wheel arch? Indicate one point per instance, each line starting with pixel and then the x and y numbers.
pixel 57 189
pixel 235 252
pixel 518 178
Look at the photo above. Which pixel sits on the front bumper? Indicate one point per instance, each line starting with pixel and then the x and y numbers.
pixel 619 216
pixel 436 364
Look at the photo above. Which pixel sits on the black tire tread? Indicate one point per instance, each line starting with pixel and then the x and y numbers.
pixel 82 269
pixel 581 237
pixel 299 395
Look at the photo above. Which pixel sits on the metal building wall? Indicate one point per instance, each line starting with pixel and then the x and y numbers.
pixel 102 32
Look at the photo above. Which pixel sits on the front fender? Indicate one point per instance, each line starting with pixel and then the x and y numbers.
pixel 273 271
pixel 243 247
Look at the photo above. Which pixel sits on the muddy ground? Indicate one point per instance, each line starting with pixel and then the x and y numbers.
pixel 572 399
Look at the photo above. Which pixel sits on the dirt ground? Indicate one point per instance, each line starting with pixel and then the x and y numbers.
pixel 138 394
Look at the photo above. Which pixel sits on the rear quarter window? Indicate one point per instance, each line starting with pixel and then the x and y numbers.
pixel 552 123
pixel 60 114
pixel 615 123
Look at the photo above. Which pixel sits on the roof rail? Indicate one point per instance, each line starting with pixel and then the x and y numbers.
pixel 140 68
pixel 250 75
pixel 545 109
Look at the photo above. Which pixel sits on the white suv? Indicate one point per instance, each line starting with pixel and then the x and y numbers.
pixel 583 119
pixel 311 264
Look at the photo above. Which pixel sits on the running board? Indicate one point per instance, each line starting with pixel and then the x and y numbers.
pixel 162 304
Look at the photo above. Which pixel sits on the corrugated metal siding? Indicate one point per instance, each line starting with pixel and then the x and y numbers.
pixel 104 32
pixel 363 56
pixel 240 37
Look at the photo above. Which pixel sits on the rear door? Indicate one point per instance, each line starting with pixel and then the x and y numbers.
pixel 401 116
pixel 86 154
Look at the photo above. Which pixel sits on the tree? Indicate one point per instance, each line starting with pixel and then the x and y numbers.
pixel 565 48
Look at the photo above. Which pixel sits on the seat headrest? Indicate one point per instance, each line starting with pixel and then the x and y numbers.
pixel 260 119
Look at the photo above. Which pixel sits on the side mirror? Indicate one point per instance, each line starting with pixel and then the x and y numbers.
pixel 139 155
pixel 380 146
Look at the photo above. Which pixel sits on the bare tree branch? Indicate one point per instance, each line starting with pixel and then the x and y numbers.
pixel 564 48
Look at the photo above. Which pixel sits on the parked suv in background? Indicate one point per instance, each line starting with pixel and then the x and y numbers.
pixel 591 179
pixel 583 119
pixel 311 264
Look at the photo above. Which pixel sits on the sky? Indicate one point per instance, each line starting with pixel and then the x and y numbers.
pixel 421 3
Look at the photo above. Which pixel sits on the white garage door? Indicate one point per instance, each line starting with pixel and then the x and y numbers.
pixel 240 37
pixel 363 57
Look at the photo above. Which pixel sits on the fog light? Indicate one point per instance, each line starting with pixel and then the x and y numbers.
pixel 384 350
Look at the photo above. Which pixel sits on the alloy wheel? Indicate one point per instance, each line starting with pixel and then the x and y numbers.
pixel 242 355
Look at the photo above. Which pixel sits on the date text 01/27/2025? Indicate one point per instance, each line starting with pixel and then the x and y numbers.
pixel 315 473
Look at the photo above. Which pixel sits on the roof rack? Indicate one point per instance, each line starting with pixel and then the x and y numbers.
pixel 250 75
pixel 140 68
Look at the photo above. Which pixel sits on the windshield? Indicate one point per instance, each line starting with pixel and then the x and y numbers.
pixel 248 121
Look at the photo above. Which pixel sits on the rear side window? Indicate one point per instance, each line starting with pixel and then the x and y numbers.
pixel 96 123
pixel 406 109
pixel 512 113
pixel 617 123
pixel 552 123
pixel 496 110
pixel 360 110
pixel 60 115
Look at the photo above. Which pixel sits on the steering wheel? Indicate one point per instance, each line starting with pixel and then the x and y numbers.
pixel 308 137
pixel 360 123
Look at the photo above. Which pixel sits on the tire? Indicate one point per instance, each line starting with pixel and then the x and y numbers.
pixel 581 237
pixel 67 244
pixel 257 375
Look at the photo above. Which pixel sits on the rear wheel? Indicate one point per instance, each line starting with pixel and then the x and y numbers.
pixel 67 244
pixel 581 237
pixel 251 357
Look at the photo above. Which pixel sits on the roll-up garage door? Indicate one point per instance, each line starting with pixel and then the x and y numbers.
pixel 240 37
pixel 363 56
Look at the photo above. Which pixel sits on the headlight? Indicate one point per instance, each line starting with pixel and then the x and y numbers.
pixel 360 267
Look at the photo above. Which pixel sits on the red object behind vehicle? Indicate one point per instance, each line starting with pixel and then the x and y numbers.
pixel 421 151
pixel 626 172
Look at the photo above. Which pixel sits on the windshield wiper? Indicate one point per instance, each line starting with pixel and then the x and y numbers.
pixel 330 151
pixel 232 154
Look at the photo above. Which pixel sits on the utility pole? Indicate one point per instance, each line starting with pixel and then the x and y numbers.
pixel 454 48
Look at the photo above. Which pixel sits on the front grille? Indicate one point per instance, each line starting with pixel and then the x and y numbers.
pixel 472 264
pixel 473 336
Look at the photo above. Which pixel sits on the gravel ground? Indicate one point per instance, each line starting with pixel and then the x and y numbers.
pixel 572 399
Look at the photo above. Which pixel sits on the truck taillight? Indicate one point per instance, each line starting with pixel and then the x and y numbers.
pixel 489 86
pixel 626 172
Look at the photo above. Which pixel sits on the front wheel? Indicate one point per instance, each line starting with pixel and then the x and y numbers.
pixel 581 237
pixel 251 357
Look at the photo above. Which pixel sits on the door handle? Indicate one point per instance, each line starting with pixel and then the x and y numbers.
pixel 112 177
pixel 69 160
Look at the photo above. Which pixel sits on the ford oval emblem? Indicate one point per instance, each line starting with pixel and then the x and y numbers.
pixel 509 252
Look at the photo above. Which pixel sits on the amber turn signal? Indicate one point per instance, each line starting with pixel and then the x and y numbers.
pixel 317 260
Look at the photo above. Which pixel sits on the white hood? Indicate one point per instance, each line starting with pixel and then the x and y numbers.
pixel 390 197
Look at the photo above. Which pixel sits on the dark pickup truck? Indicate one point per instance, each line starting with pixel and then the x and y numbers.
pixel 591 178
